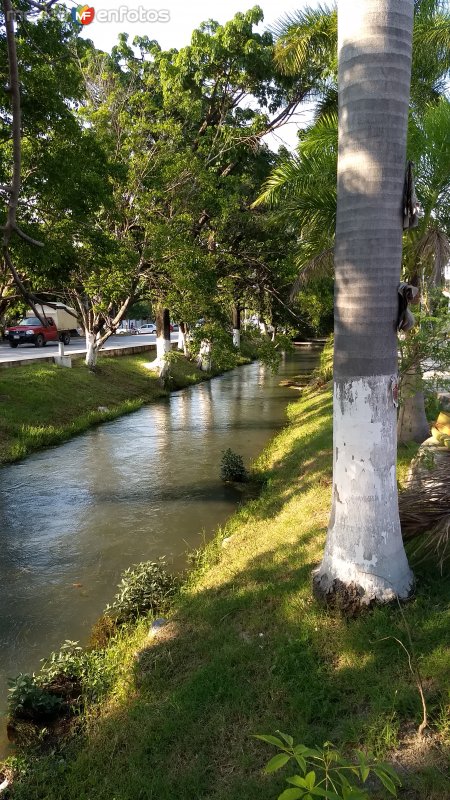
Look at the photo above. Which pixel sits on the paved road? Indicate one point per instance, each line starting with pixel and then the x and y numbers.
pixel 77 346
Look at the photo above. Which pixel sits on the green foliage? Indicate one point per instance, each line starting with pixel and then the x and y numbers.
pixel 232 467
pixel 27 696
pixel 426 347
pixel 316 304
pixel 143 588
pixel 86 669
pixel 262 347
pixel 326 772
pixel 223 354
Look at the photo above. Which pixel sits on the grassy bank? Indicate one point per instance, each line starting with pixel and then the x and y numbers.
pixel 247 650
pixel 43 405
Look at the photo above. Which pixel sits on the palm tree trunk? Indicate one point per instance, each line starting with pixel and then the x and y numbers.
pixel 364 554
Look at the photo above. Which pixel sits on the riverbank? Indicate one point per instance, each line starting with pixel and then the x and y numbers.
pixel 43 405
pixel 247 650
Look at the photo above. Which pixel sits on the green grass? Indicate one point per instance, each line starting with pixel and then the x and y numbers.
pixel 42 404
pixel 247 650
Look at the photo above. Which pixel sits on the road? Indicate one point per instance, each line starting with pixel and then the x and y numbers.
pixel 76 347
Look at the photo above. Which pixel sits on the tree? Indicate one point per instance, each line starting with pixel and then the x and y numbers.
pixel 364 549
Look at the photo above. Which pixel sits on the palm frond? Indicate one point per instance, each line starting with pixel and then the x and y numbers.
pixel 306 35
pixel 434 248
pixel 424 507
pixel 322 136
pixel 311 265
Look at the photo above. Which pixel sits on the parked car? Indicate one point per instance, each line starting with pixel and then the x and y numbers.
pixel 31 331
pixel 149 327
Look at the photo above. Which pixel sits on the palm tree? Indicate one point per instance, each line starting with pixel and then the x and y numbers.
pixel 364 553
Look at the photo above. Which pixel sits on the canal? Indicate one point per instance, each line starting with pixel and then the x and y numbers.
pixel 147 485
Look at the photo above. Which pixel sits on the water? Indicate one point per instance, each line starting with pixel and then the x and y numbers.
pixel 73 517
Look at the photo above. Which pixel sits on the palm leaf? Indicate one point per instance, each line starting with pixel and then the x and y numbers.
pixel 306 36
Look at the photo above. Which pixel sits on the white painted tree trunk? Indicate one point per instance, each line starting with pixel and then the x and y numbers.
pixel 91 350
pixel 237 325
pixel 364 543
pixel 364 554
pixel 181 339
pixel 204 356
pixel 162 347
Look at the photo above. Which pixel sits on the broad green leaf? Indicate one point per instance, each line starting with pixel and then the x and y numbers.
pixel 364 772
pixel 310 779
pixel 291 794
pixel 389 769
pixel 386 780
pixel 300 748
pixel 288 739
pixel 277 762
pixel 270 740
pixel 301 762
pixel 297 780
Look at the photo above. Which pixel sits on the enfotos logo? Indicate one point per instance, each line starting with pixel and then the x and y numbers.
pixel 84 15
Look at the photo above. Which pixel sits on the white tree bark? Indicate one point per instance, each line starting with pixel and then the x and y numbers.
pixel 364 543
pixel 364 554
pixel 204 356
pixel 162 347
pixel 181 339
pixel 91 350
pixel 236 338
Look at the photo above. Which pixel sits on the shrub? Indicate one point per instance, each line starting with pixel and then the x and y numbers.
pixel 232 467
pixel 143 588
pixel 28 698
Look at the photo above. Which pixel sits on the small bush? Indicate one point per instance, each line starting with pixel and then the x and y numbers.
pixel 28 698
pixel 143 588
pixel 232 467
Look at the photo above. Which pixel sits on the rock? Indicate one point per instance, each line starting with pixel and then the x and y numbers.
pixel 156 625
pixel 226 541
pixel 103 409
pixel 444 400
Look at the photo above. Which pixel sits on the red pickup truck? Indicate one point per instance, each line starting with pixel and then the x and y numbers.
pixel 31 331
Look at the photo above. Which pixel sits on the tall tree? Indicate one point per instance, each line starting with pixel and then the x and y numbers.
pixel 364 549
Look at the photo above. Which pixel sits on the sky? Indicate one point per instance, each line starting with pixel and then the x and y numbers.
pixel 176 32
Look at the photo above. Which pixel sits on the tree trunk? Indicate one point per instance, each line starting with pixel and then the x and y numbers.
pixel 237 326
pixel 181 337
pixel 91 350
pixel 204 356
pixel 412 425
pixel 162 334
pixel 364 557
